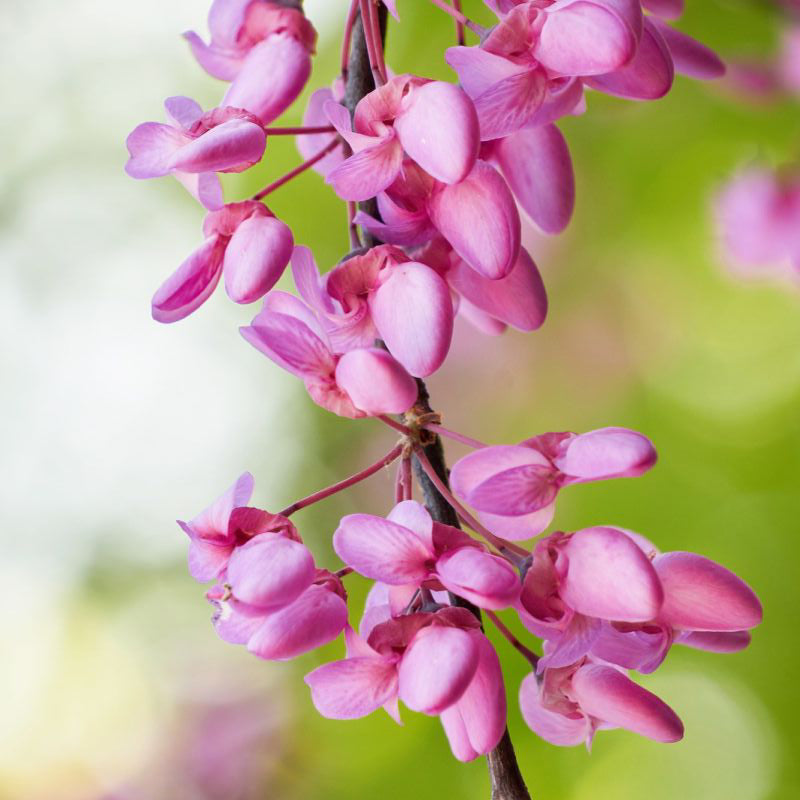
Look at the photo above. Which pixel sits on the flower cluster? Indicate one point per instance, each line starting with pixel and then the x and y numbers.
pixel 452 170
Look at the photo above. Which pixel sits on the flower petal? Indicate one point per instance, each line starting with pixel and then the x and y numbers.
pixel 690 56
pixel 353 687
pixel 375 382
pixel 607 453
pixel 483 579
pixel 553 727
pixel 368 172
pixel 231 146
pixel 152 146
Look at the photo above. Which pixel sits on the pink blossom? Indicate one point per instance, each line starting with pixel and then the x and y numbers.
pixel 309 144
pixel 251 39
pixel 436 663
pixel 195 145
pixel 433 122
pixel 566 706
pixel 408 547
pixel 361 382
pixel 514 487
pixel 278 631
pixel 245 243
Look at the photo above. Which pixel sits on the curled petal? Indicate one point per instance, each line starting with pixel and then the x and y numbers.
pixel 715 642
pixel 607 453
pixel 152 147
pixel 368 172
pixel 516 491
pixel 183 111
pixel 415 517
pixel 352 688
pixel 436 668
pixel 690 56
pixel 222 64
pixel 315 618
pixel 609 577
pixel 701 595
pixel 610 696
pixel 511 104
pixel 375 382
pixel 232 146
pixel 565 730
pixel 483 579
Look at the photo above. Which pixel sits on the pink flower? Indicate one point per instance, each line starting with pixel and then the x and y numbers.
pixel 514 487
pixel 566 706
pixel 309 144
pixel 409 548
pixel 245 243
pixel 272 625
pixel 225 525
pixel 757 215
pixel 195 145
pixel 360 382
pixel 436 663
pixel 251 39
pixel 433 122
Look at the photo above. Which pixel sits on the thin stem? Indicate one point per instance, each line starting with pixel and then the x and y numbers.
pixel 348 35
pixel 391 456
pixel 399 427
pixel 366 23
pixel 529 655
pixel 330 147
pixel 459 25
pixel 343 572
pixel 377 41
pixel 459 17
pixel 457 437
pixel 498 542
pixel 299 130
pixel 408 484
pixel 352 228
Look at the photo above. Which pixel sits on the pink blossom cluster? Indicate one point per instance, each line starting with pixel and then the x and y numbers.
pixel 453 168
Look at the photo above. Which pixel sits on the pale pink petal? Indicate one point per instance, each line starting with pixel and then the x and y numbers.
pixel 480 220
pixel 537 165
pixel 309 144
pixel 270 571
pixel 191 284
pixel 352 688
pixel 414 516
pixel 232 146
pixel 572 644
pixel 609 577
pixel 315 618
pixel 255 258
pixel 271 77
pixel 700 594
pixel 231 625
pixel 553 727
pixel 204 187
pixel 207 560
pixel 610 696
pixel 472 470
pixel 382 550
pixel 226 19
pixel 478 318
pixel 438 128
pixel 375 381
pixel 516 491
pixel 715 642
pixel 519 299
pixel 436 668
pixel 479 70
pixel 690 56
pixel 222 64
pixel 307 280
pixel 483 579
pixel 512 104
pixel 457 735
pixel 639 649
pixel 666 9
pixel 152 147
pixel 519 528
pixel 212 523
pixel 413 312
pixel 607 453
pixel 368 172
pixel 277 302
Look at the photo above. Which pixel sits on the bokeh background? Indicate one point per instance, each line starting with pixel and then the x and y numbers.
pixel 114 683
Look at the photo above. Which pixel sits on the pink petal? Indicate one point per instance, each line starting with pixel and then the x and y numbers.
pixel 572 645
pixel 609 577
pixel 255 258
pixel 537 165
pixel 438 128
pixel 610 696
pixel 213 521
pixel 700 594
pixel 436 668
pixel 519 528
pixel 375 382
pixel 352 688
pixel 639 650
pixel 368 172
pixel 648 76
pixel 666 9
pixel 512 104
pixel 222 64
pixel 207 560
pixel 483 579
pixel 516 491
pixel 585 38
pixel 270 571
pixel 226 18
pixel 607 453
pixel 553 727
pixel 191 284
pixel 457 736
pixel 271 77
pixel 716 642
pixel 204 187
pixel 152 147
pixel 479 70
pixel 183 112
pixel 414 516
pixel 315 618
pixel 277 302
pixel 311 143
pixel 480 220
pixel 382 550
pixel 413 312
pixel 307 280
pixel 232 146
pixel 690 56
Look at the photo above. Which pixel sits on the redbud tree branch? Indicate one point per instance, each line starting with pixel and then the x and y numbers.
pixel 504 773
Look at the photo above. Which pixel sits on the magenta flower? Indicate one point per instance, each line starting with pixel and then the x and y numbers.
pixel 433 122
pixel 251 39
pixel 436 663
pixel 272 625
pixel 245 243
pixel 361 382
pixel 567 706
pixel 195 145
pixel 514 487
pixel 409 548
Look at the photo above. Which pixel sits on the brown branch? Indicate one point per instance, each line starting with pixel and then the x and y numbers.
pixel 504 773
